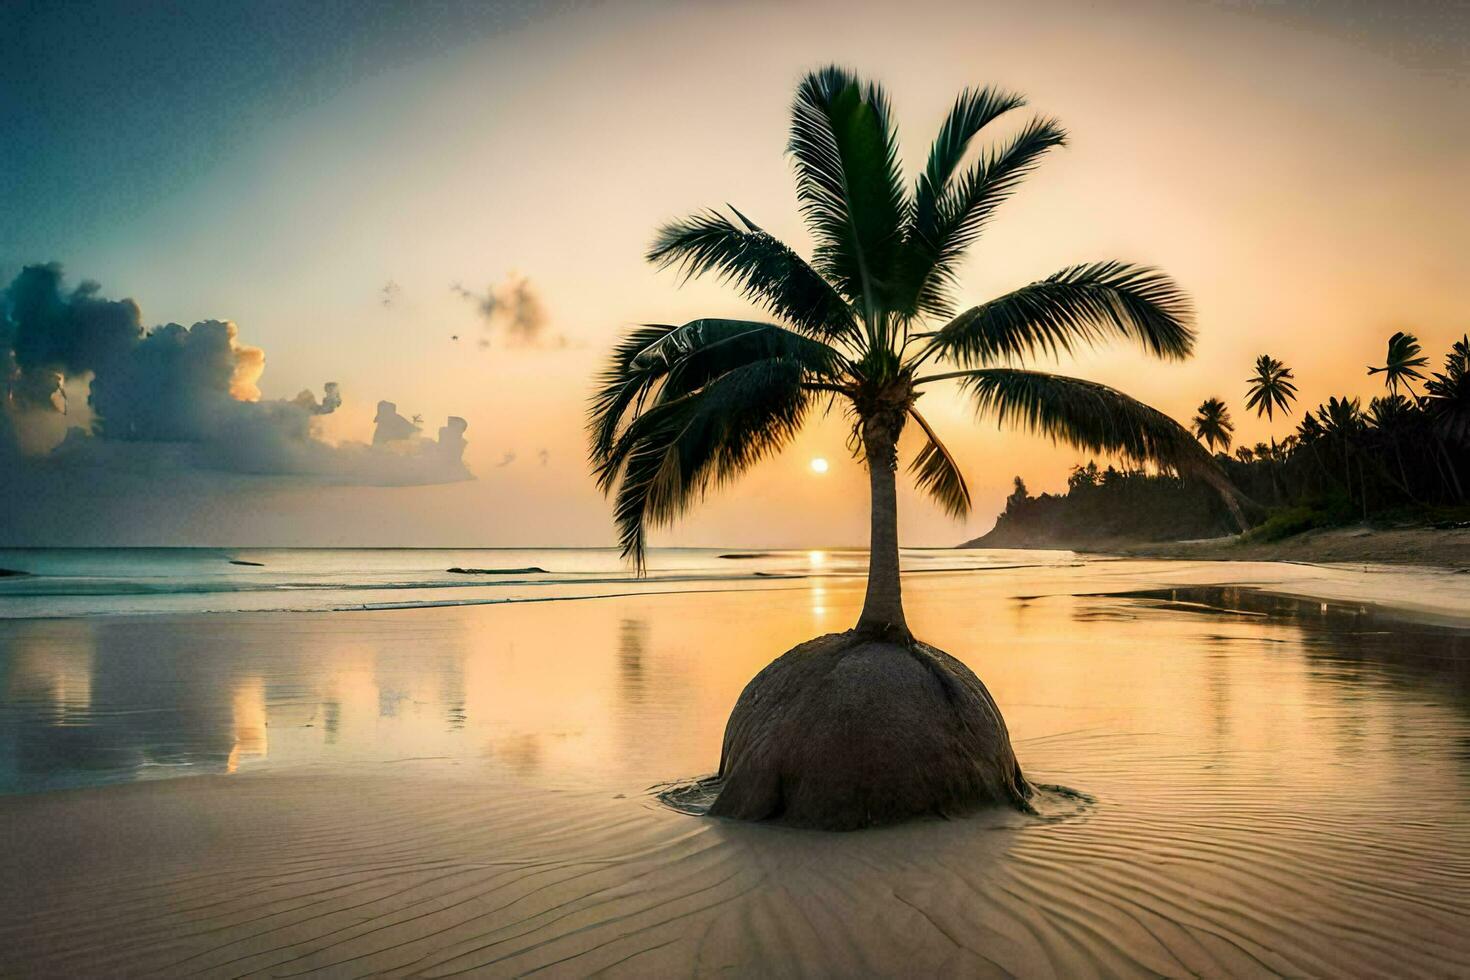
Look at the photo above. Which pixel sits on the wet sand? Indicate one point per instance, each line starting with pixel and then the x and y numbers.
pixel 1277 787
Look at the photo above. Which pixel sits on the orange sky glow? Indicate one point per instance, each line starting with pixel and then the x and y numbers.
pixel 1305 185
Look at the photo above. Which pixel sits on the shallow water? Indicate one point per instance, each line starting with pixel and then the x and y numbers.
pixel 1278 787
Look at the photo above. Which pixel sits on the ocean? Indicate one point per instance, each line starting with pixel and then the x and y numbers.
pixel 65 582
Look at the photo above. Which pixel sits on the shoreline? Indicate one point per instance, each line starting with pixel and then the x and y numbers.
pixel 1426 547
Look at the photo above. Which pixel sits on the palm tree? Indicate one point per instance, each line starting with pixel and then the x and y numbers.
pixel 1447 403
pixel 1342 425
pixel 1448 394
pixel 682 409
pixel 1392 418
pixel 1213 424
pixel 1271 388
pixel 1405 358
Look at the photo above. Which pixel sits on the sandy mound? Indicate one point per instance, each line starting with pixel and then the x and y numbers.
pixel 849 731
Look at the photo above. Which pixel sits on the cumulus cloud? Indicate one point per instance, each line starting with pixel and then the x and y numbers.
pixel 177 397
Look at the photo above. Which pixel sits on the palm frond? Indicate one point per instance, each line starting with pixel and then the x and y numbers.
pixel 767 271
pixel 672 454
pixel 657 363
pixel 1085 414
pixel 848 181
pixel 937 473
pixel 972 111
pixel 940 235
pixel 623 385
pixel 1082 304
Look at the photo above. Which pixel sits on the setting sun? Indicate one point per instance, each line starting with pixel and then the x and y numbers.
pixel 819 465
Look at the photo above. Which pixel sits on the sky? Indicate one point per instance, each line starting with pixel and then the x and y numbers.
pixel 352 185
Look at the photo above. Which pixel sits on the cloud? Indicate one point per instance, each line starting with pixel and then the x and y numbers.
pixel 511 313
pixel 331 400
pixel 176 397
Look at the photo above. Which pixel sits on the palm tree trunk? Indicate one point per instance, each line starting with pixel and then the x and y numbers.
pixel 883 607
pixel 1450 465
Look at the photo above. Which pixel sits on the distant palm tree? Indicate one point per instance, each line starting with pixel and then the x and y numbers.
pixel 1447 395
pixel 682 409
pixel 1342 426
pixel 1213 424
pixel 1310 430
pixel 1245 454
pixel 1271 388
pixel 1447 403
pixel 1341 418
pixel 1405 358
pixel 1392 417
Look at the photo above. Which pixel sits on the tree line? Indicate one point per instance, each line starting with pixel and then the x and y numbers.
pixel 1406 451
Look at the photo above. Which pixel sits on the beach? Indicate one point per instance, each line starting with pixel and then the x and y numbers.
pixel 1354 545
pixel 1265 763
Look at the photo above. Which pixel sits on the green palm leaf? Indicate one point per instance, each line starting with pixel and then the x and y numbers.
pixel 937 473
pixel 658 363
pixel 1081 304
pixel 675 452
pixel 848 181
pixel 1085 414
pixel 972 112
pixel 767 271
pixel 941 235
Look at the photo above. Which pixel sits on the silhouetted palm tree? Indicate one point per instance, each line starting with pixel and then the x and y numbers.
pixel 1342 427
pixel 1310 430
pixel 682 409
pixel 1341 418
pixel 1392 417
pixel 1213 424
pixel 1447 403
pixel 1405 358
pixel 1270 388
pixel 1448 394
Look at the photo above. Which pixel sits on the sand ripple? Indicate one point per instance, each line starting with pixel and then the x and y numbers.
pixel 435 876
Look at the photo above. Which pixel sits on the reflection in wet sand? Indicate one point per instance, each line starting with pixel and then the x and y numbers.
pixel 250 723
